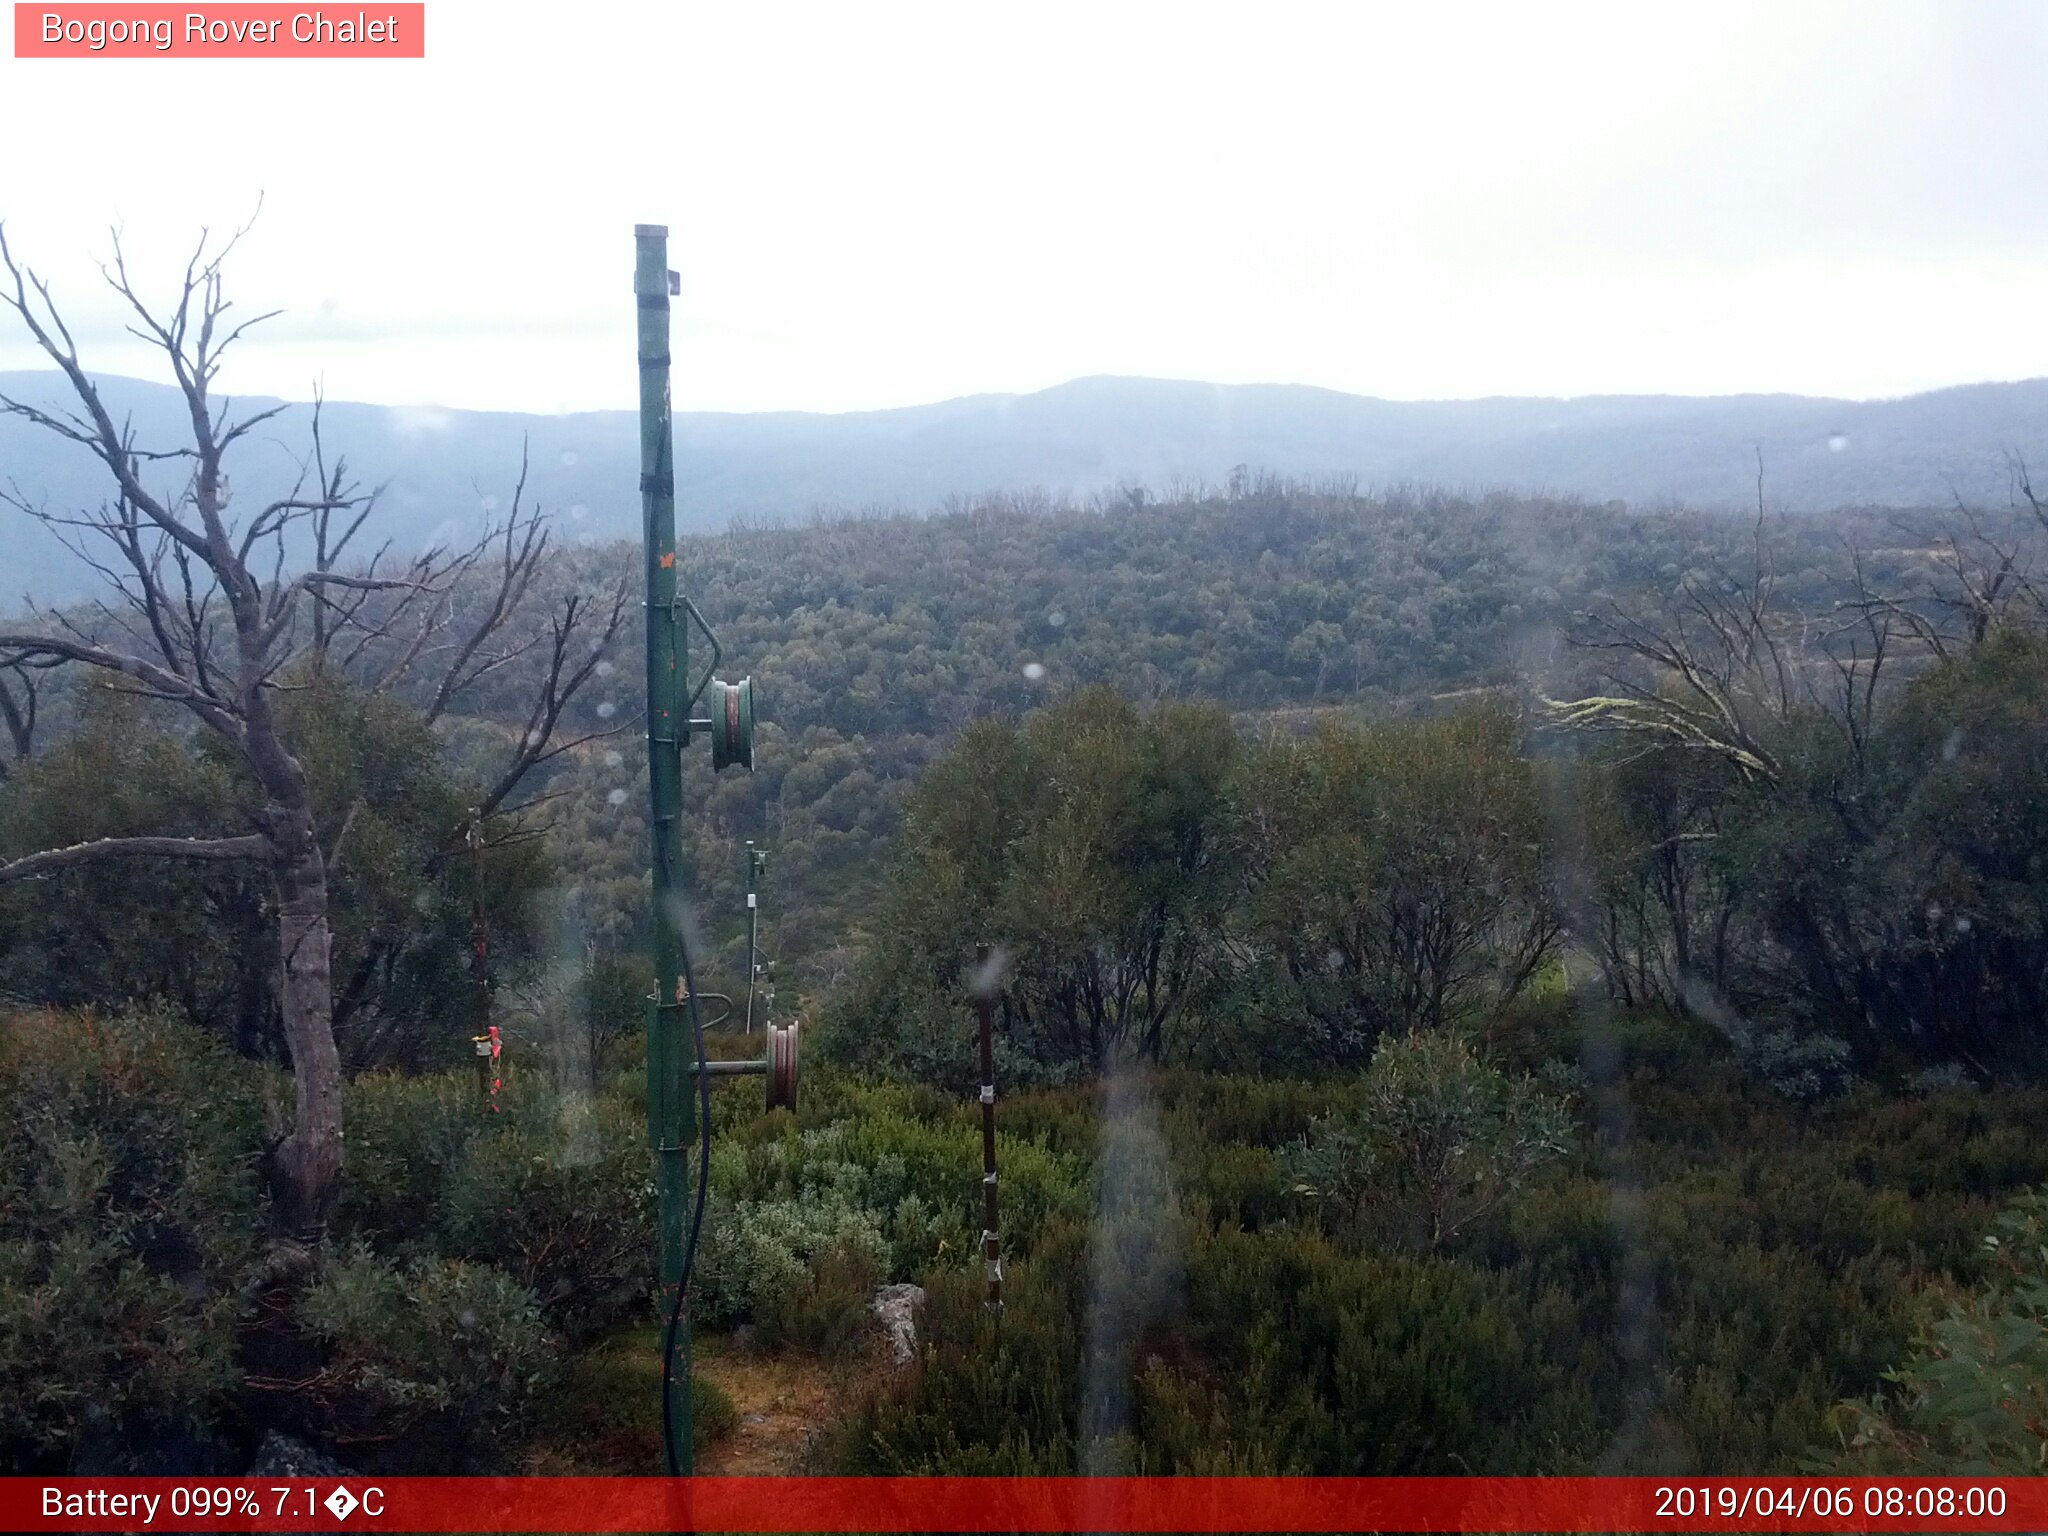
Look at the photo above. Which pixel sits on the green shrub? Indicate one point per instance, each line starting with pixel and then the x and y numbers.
pixel 758 1253
pixel 438 1364
pixel 1803 1067
pixel 882 1191
pixel 1971 1398
pixel 405 1135
pixel 562 1197
pixel 556 1188
pixel 824 1311
pixel 1439 1140
pixel 992 1398
pixel 130 1210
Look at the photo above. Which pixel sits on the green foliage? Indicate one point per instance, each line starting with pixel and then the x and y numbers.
pixel 565 1203
pixel 1802 1067
pixel 200 938
pixel 554 1188
pixel 130 1206
pixel 436 1359
pixel 760 1253
pixel 1396 877
pixel 1764 1260
pixel 400 884
pixel 1888 885
pixel 1091 839
pixel 1971 1398
pixel 184 934
pixel 1438 1140
pixel 1152 879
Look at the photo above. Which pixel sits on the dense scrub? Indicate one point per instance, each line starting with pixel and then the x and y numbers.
pixel 1697 1296
pixel 1695 1279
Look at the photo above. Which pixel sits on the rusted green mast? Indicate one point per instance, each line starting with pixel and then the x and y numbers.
pixel 677 1079
pixel 670 1117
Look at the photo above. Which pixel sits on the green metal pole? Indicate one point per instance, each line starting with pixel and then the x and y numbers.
pixel 670 1112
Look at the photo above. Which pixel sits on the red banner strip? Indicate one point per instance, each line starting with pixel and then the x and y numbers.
pixel 878 1504
pixel 377 29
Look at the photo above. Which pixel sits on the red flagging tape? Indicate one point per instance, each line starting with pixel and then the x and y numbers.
pixel 880 1504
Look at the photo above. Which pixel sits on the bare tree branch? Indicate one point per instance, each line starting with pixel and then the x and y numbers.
pixel 212 849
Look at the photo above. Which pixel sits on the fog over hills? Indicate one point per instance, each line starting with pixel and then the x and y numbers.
pixel 440 466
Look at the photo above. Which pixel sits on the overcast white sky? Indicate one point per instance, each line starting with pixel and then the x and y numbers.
pixel 879 204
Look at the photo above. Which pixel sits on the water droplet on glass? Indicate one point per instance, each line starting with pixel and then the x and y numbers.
pixel 1034 671
pixel 988 978
pixel 568 456
pixel 606 710
pixel 1056 618
pixel 604 669
pixel 490 503
pixel 579 511
pixel 1952 747
pixel 1838 442
pixel 613 759
pixel 616 798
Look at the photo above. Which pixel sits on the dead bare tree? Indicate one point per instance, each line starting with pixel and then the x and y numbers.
pixel 203 612
pixel 1979 575
pixel 1710 673
pixel 21 692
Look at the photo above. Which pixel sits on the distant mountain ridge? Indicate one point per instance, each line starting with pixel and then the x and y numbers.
pixel 1074 439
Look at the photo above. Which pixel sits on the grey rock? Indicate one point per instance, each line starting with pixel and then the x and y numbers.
pixel 897 1307
pixel 283 1456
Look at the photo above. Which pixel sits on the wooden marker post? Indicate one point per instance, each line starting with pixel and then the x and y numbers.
pixel 991 1246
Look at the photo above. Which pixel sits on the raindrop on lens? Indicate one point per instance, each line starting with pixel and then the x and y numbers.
pixel 1838 442
pixel 1034 671
pixel 616 798
pixel 606 710
pixel 490 503
pixel 579 511
pixel 1056 618
pixel 613 759
pixel 568 456
pixel 604 669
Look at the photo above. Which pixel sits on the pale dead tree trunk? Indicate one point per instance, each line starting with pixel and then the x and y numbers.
pixel 207 617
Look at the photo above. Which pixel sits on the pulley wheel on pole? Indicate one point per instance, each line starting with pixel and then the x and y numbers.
pixel 732 724
pixel 782 1040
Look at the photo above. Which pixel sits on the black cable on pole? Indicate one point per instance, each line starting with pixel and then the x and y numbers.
pixel 675 1310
